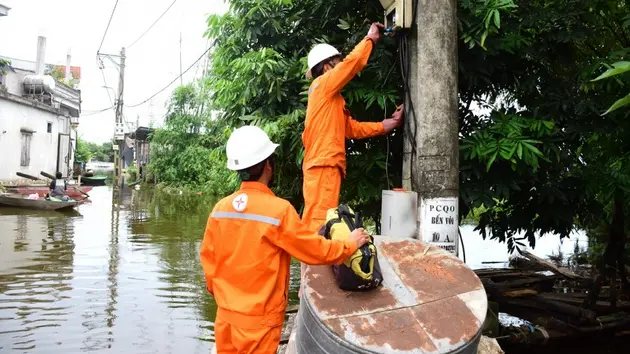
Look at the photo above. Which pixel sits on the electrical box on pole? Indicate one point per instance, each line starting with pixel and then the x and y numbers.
pixel 398 13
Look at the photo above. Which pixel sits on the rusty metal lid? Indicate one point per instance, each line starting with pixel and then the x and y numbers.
pixel 429 302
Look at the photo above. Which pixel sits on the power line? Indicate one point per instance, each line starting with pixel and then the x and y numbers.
pixel 175 79
pixel 156 21
pixel 106 88
pixel 107 28
pixel 91 113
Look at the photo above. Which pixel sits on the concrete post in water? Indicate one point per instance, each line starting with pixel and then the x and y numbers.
pixel 431 153
pixel 119 135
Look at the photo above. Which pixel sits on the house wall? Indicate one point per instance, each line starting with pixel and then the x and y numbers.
pixel 15 116
pixel 12 81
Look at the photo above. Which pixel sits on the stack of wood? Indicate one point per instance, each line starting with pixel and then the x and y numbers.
pixel 552 299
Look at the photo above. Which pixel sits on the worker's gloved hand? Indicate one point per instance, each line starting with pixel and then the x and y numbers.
pixel 395 121
pixel 375 32
pixel 359 236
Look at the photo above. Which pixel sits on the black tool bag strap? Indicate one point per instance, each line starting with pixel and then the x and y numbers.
pixel 329 225
pixel 359 220
pixel 347 216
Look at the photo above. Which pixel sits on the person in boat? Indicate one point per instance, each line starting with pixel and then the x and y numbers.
pixel 247 247
pixel 328 123
pixel 58 186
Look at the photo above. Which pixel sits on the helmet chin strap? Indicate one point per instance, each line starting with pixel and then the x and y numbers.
pixel 272 164
pixel 332 63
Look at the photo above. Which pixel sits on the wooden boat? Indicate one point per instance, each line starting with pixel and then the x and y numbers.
pixel 20 201
pixel 93 181
pixel 42 191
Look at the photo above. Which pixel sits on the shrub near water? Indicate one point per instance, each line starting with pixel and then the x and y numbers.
pixel 188 151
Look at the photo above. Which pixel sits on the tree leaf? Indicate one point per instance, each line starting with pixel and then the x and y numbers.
pixel 618 104
pixel 343 25
pixel 497 19
pixel 491 161
pixel 533 149
pixel 617 68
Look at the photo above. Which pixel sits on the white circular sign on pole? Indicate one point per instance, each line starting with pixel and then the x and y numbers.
pixel 439 222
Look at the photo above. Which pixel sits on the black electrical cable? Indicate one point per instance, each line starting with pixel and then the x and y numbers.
pixel 405 61
pixel 175 79
pixel 156 21
pixel 90 113
pixel 404 57
pixel 459 231
pixel 107 28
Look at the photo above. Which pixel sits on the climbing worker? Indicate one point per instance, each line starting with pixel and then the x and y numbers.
pixel 247 247
pixel 328 123
pixel 58 186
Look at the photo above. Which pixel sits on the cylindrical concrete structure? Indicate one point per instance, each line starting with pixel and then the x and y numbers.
pixel 430 302
pixel 40 61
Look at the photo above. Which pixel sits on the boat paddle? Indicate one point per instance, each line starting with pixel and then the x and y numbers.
pixel 53 178
pixel 28 176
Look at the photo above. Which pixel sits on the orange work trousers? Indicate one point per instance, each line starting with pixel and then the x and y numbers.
pixel 321 189
pixel 322 185
pixel 232 340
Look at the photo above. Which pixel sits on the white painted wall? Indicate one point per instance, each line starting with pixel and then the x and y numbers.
pixel 12 81
pixel 15 116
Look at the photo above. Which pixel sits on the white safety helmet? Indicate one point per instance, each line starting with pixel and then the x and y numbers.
pixel 248 146
pixel 319 53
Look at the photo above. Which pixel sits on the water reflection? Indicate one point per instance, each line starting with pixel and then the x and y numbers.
pixel 123 278
pixel 36 277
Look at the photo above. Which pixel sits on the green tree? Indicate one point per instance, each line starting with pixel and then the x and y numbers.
pixel 577 175
pixel 257 77
pixel 4 64
pixel 188 150
pixel 537 162
pixel 83 152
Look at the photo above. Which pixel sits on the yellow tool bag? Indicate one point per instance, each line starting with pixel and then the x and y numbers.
pixel 360 271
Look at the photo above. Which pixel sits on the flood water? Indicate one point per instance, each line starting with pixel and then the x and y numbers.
pixel 126 281
pixel 98 280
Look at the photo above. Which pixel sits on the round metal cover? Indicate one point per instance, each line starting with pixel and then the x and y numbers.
pixel 429 302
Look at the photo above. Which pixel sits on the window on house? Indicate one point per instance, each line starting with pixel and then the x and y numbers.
pixel 25 159
pixel 49 127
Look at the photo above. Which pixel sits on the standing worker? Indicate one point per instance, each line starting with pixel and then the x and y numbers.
pixel 328 124
pixel 247 247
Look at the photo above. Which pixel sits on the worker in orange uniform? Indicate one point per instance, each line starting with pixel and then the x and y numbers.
pixel 247 247
pixel 328 124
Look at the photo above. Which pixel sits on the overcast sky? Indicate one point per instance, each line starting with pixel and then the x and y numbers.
pixel 152 62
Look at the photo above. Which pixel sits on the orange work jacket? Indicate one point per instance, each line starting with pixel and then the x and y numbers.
pixel 246 254
pixel 328 123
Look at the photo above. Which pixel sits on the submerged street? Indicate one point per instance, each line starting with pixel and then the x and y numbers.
pixel 95 280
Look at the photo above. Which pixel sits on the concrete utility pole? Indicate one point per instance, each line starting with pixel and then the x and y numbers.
pixel 119 133
pixel 119 130
pixel 431 159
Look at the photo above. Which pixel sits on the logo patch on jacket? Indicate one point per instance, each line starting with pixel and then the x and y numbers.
pixel 240 202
